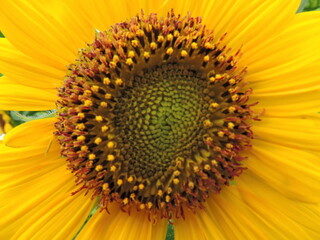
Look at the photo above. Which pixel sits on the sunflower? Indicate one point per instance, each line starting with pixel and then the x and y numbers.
pixel 198 114
pixel 5 125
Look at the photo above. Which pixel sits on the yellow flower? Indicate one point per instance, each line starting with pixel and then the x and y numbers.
pixel 5 125
pixel 154 121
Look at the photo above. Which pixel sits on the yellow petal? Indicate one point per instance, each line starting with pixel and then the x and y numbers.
pixel 14 96
pixel 300 133
pixel 225 217
pixel 26 70
pixel 286 218
pixel 17 137
pixel 120 226
pixel 36 187
pixel 5 125
pixel 293 172
pixel 284 73
pixel 52 31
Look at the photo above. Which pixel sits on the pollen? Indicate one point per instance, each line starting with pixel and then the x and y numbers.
pixel 153 115
pixel 110 158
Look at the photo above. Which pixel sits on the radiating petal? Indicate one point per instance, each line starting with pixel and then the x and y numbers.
pixel 286 218
pixel 14 96
pixel 120 226
pixel 293 172
pixel 36 187
pixel 284 73
pixel 49 31
pixel 26 70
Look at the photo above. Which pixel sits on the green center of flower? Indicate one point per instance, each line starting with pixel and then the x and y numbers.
pixel 152 115
pixel 159 119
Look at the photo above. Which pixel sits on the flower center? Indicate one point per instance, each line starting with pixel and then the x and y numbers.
pixel 152 116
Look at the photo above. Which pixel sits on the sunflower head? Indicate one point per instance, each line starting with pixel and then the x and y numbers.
pixel 153 115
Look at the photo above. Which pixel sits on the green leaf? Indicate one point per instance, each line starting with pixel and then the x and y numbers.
pixel 312 5
pixel 19 117
pixel 170 232
pixel 1 35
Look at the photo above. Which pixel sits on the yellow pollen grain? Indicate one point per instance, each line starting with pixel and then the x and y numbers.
pixel 170 37
pixel 232 136
pixel 108 96
pixel 153 46
pixel 232 81
pixel 81 138
pixel 176 180
pixel 130 179
pixel 221 58
pixel 176 173
pixel 110 157
pixel 219 76
pixel 194 45
pixel 235 97
pixel 119 81
pixel 99 168
pixel 87 93
pixel 120 182
pixel 208 45
pixel 84 148
pixel 131 54
pixel 99 118
pixel 212 79
pixel 231 109
pixel 207 123
pixel 230 125
pixel 214 163
pixel 134 43
pixel 110 144
pixel 125 201
pixel 168 198
pixel 103 104
pixel 160 39
pixel 229 145
pixel 135 188
pixel 105 186
pixel 149 205
pixel 169 190
pixel 169 51
pixel 214 105
pixel 146 55
pixel 184 53
pixel 129 61
pixel 140 33
pixel 132 196
pixel 116 58
pixel 142 206
pixel 141 186
pixel 217 149
pixel 80 126
pixel 92 156
pixel 206 58
pixel 104 128
pixel 112 65
pixel 97 140
pixel 113 168
pixel 81 115
pixel 191 185
pixel 88 103
pixel 95 88
pixel 207 167
pixel 160 193
pixel 220 134
pixel 176 33
pixel 106 81
pixel 196 169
